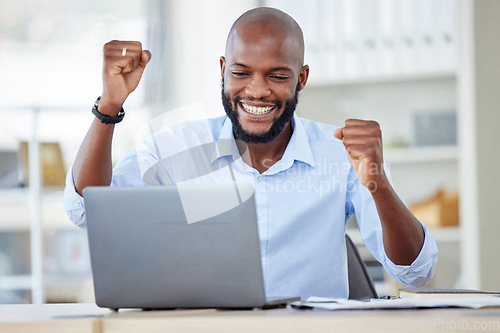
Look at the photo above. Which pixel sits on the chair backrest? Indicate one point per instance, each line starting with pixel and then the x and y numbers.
pixel 360 282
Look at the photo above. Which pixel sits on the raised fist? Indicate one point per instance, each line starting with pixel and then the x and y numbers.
pixel 124 63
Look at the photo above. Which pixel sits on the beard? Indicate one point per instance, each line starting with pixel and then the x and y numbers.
pixel 277 126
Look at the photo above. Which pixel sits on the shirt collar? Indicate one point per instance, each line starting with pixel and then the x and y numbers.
pixel 226 146
pixel 298 147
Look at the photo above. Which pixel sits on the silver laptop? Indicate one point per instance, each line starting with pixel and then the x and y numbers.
pixel 175 247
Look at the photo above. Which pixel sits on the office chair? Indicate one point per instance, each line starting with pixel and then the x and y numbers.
pixel 360 282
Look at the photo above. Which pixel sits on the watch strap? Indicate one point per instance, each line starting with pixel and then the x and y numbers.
pixel 105 119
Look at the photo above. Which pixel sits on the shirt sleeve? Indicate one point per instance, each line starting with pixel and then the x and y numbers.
pixel 126 173
pixel 421 269
pixel 73 202
pixel 417 273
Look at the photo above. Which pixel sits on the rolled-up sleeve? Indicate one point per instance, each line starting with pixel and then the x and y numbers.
pixel 421 269
pixel 126 173
pixel 415 275
pixel 73 202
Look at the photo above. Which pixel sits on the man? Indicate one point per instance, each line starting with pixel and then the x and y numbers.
pixel 306 185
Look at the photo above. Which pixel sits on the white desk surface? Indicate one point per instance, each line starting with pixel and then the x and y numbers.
pixel 89 318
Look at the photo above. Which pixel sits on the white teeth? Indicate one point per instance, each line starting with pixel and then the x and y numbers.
pixel 257 110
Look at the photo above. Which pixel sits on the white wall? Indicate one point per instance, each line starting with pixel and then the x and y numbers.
pixel 480 181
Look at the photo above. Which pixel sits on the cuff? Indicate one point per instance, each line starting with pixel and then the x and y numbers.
pixel 73 202
pixel 421 270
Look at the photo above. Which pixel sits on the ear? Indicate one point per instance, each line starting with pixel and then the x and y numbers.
pixel 303 75
pixel 222 66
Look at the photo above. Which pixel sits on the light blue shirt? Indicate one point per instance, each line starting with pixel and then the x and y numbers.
pixel 303 201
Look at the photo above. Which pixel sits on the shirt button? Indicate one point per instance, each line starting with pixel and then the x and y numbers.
pixel 260 178
pixel 260 215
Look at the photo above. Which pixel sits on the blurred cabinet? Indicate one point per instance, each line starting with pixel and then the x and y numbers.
pixel 65 265
pixel 32 219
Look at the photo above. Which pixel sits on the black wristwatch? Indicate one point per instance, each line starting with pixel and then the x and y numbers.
pixel 105 119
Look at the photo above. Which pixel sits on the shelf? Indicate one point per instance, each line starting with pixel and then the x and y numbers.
pixel 23 195
pixel 380 79
pixel 15 282
pixel 446 234
pixel 421 154
pixel 17 210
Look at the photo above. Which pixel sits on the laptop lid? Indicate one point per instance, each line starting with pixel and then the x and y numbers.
pixel 174 247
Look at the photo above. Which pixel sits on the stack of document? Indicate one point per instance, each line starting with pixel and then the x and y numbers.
pixel 397 303
pixel 444 293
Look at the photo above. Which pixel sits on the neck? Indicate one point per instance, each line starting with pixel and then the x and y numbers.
pixel 261 156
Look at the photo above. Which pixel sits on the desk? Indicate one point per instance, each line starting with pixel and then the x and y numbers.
pixel 88 318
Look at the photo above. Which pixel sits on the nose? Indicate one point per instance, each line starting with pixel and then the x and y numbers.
pixel 258 88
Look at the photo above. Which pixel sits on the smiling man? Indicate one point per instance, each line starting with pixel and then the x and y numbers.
pixel 309 178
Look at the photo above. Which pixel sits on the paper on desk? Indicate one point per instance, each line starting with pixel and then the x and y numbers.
pixel 398 303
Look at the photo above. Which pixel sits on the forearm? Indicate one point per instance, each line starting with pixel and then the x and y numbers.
pixel 93 164
pixel 124 64
pixel 403 234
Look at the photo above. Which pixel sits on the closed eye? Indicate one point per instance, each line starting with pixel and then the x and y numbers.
pixel 279 77
pixel 239 74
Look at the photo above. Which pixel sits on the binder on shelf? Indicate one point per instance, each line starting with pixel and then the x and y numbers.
pixel 386 27
pixel 52 164
pixel 426 42
pixel 368 38
pixel 352 38
pixel 10 175
pixel 339 68
pixel 329 46
pixel 307 15
pixel 447 35
pixel 407 35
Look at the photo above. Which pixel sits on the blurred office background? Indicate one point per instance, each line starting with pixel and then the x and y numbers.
pixel 427 70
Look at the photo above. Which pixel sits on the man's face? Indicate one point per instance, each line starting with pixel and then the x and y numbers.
pixel 261 79
pixel 277 125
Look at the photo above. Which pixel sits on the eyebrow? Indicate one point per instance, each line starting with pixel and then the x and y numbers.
pixel 240 65
pixel 288 69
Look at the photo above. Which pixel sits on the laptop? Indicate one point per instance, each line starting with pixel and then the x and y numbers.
pixel 159 247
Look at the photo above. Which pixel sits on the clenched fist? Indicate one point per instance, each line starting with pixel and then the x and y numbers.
pixel 363 141
pixel 124 64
